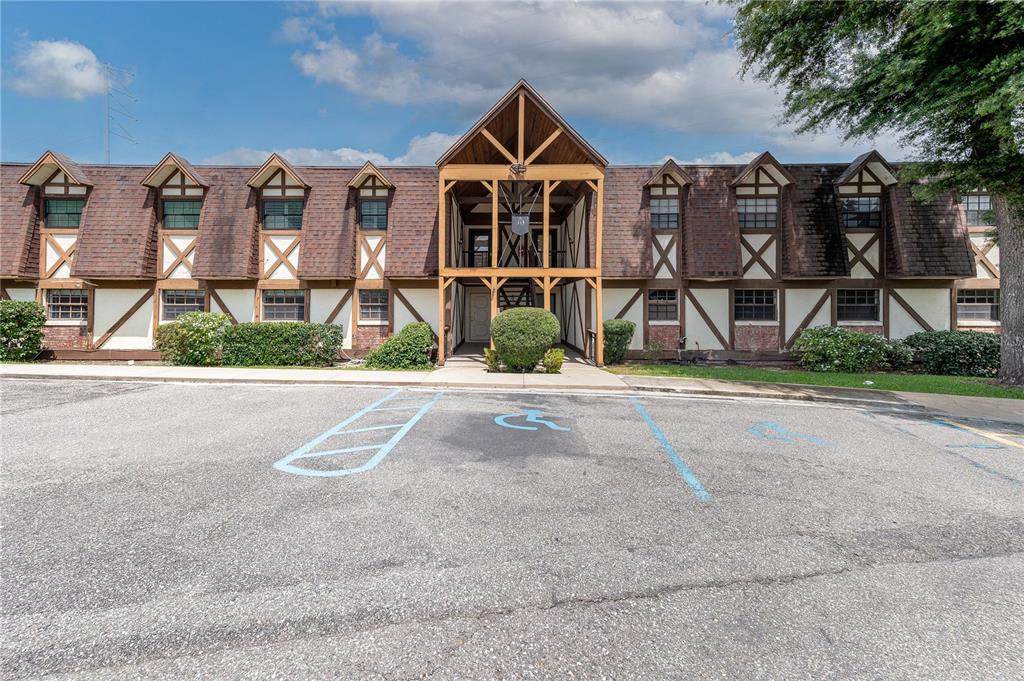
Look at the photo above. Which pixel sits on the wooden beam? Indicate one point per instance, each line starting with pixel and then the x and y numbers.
pixel 442 226
pixel 220 303
pixel 337 308
pixel 498 145
pixel 575 172
pixel 124 318
pixel 546 225
pixel 599 326
pixel 521 137
pixel 543 145
pixel 494 286
pixel 592 185
pixel 449 185
pixel 599 224
pixel 494 223
pixel 547 293
pixel 441 288
pixel 910 310
pixel 807 318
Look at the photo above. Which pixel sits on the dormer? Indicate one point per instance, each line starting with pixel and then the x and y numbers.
pixel 181 190
pixel 373 191
pixel 860 189
pixel 758 187
pixel 282 194
pixel 665 189
pixel 64 188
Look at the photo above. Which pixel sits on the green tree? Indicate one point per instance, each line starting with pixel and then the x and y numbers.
pixel 947 77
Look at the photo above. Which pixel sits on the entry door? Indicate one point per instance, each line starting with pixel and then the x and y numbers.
pixel 479 316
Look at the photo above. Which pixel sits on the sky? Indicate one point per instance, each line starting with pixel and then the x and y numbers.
pixel 393 82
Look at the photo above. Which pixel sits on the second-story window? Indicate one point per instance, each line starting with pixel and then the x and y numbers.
pixel 861 212
pixel 181 214
pixel 978 210
pixel 64 212
pixel 664 213
pixel 758 213
pixel 282 214
pixel 373 214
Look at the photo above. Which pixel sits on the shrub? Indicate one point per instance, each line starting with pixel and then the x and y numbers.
pixel 491 360
pixel 408 349
pixel 197 339
pixel 956 353
pixel 522 335
pixel 552 360
pixel 831 348
pixel 652 351
pixel 282 344
pixel 21 329
pixel 617 335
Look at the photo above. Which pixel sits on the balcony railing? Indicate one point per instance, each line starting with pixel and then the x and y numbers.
pixel 531 259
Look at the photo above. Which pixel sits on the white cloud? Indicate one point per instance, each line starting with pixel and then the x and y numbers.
pixel 422 150
pixel 58 69
pixel 720 158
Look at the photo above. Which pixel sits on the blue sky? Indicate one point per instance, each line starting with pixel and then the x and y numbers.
pixel 338 83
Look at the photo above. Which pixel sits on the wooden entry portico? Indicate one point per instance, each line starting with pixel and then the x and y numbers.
pixel 550 165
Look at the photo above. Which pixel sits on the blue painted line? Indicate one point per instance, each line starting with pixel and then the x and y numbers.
pixel 308 450
pixel 532 416
pixel 368 429
pixel 684 470
pixel 769 430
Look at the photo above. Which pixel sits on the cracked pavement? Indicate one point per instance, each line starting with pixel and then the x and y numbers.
pixel 147 535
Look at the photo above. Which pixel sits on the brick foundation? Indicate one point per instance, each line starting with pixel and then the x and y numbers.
pixel 65 338
pixel 875 329
pixel 667 335
pixel 757 338
pixel 365 338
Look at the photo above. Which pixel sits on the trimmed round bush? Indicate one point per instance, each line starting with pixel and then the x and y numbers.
pixel 21 329
pixel 618 333
pixel 408 349
pixel 282 344
pixel 835 349
pixel 522 335
pixel 956 353
pixel 553 360
pixel 196 340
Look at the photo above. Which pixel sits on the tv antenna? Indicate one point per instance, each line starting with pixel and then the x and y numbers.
pixel 117 113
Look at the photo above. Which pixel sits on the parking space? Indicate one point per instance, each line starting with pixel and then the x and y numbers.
pixel 163 528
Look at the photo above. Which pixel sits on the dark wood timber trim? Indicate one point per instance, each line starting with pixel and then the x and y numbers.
pixel 629 303
pixel 409 306
pixel 707 320
pixel 338 308
pixel 807 318
pixel 124 318
pixel 910 311
pixel 223 308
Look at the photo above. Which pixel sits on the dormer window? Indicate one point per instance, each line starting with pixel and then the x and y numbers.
pixel 373 203
pixel 664 213
pixel 181 214
pixel 282 214
pixel 758 213
pixel 282 193
pixel 978 210
pixel 64 212
pixel 758 187
pixel 860 212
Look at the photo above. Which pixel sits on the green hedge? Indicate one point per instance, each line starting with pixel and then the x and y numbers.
pixel 956 353
pixel 522 335
pixel 282 344
pixel 618 333
pixel 21 329
pixel 835 349
pixel 408 349
pixel 195 339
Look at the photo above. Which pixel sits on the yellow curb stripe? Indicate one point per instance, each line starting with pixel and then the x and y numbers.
pixel 986 434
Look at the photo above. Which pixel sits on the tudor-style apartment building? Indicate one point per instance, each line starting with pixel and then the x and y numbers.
pixel 734 259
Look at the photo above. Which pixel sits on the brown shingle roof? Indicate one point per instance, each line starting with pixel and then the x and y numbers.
pixel 813 244
pixel 19 238
pixel 228 237
pixel 328 225
pixel 711 230
pixel 925 239
pixel 117 238
pixel 412 223
pixel 626 251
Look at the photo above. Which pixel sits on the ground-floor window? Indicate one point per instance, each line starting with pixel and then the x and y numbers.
pixel 67 303
pixel 373 305
pixel 857 305
pixel 754 305
pixel 662 305
pixel 284 305
pixel 977 305
pixel 177 303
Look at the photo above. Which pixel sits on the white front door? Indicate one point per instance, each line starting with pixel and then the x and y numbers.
pixel 479 316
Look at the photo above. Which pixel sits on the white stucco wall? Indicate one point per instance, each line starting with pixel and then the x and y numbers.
pixel 137 332
pixel 799 302
pixel 423 300
pixel 614 300
pixel 21 293
pixel 931 304
pixel 716 304
pixel 240 302
pixel 322 301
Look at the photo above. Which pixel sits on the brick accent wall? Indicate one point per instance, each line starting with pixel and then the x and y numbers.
pixel 365 338
pixel 667 335
pixel 875 329
pixel 65 338
pixel 757 338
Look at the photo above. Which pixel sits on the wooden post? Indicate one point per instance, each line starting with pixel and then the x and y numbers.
pixel 494 303
pixel 599 326
pixel 442 227
pixel 522 128
pixel 547 224
pixel 440 320
pixel 599 225
pixel 547 293
pixel 494 223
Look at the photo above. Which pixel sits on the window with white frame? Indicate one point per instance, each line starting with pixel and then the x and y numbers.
pixel 758 213
pixel 664 213
pixel 977 305
pixel 284 305
pixel 64 212
pixel 857 305
pixel 663 305
pixel 373 214
pixel 860 212
pixel 67 304
pixel 754 305
pixel 978 210
pixel 373 305
pixel 282 214
pixel 176 303
pixel 181 214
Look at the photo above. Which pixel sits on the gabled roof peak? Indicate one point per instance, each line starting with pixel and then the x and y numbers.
pixel 49 163
pixel 875 163
pixel 671 168
pixel 368 170
pixel 162 170
pixel 272 164
pixel 765 158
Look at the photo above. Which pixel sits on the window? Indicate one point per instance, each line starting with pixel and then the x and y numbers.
pixel 284 306
pixel 373 214
pixel 758 213
pixel 978 305
pixel 662 305
pixel 177 303
pixel 857 305
pixel 480 249
pixel 64 212
pixel 282 215
pixel 978 209
pixel 860 212
pixel 664 213
pixel 70 303
pixel 373 305
pixel 754 305
pixel 181 214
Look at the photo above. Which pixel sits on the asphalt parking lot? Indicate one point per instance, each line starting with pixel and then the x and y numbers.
pixel 228 531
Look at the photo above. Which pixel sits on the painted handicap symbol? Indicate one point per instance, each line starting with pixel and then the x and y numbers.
pixel 769 430
pixel 532 416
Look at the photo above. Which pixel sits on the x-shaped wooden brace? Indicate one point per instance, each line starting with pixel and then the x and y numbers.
pixel 62 255
pixel 282 257
pixel 860 255
pixel 180 256
pixel 757 255
pixel 981 257
pixel 665 256
pixel 372 258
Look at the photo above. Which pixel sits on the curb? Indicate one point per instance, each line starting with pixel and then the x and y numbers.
pixel 848 401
